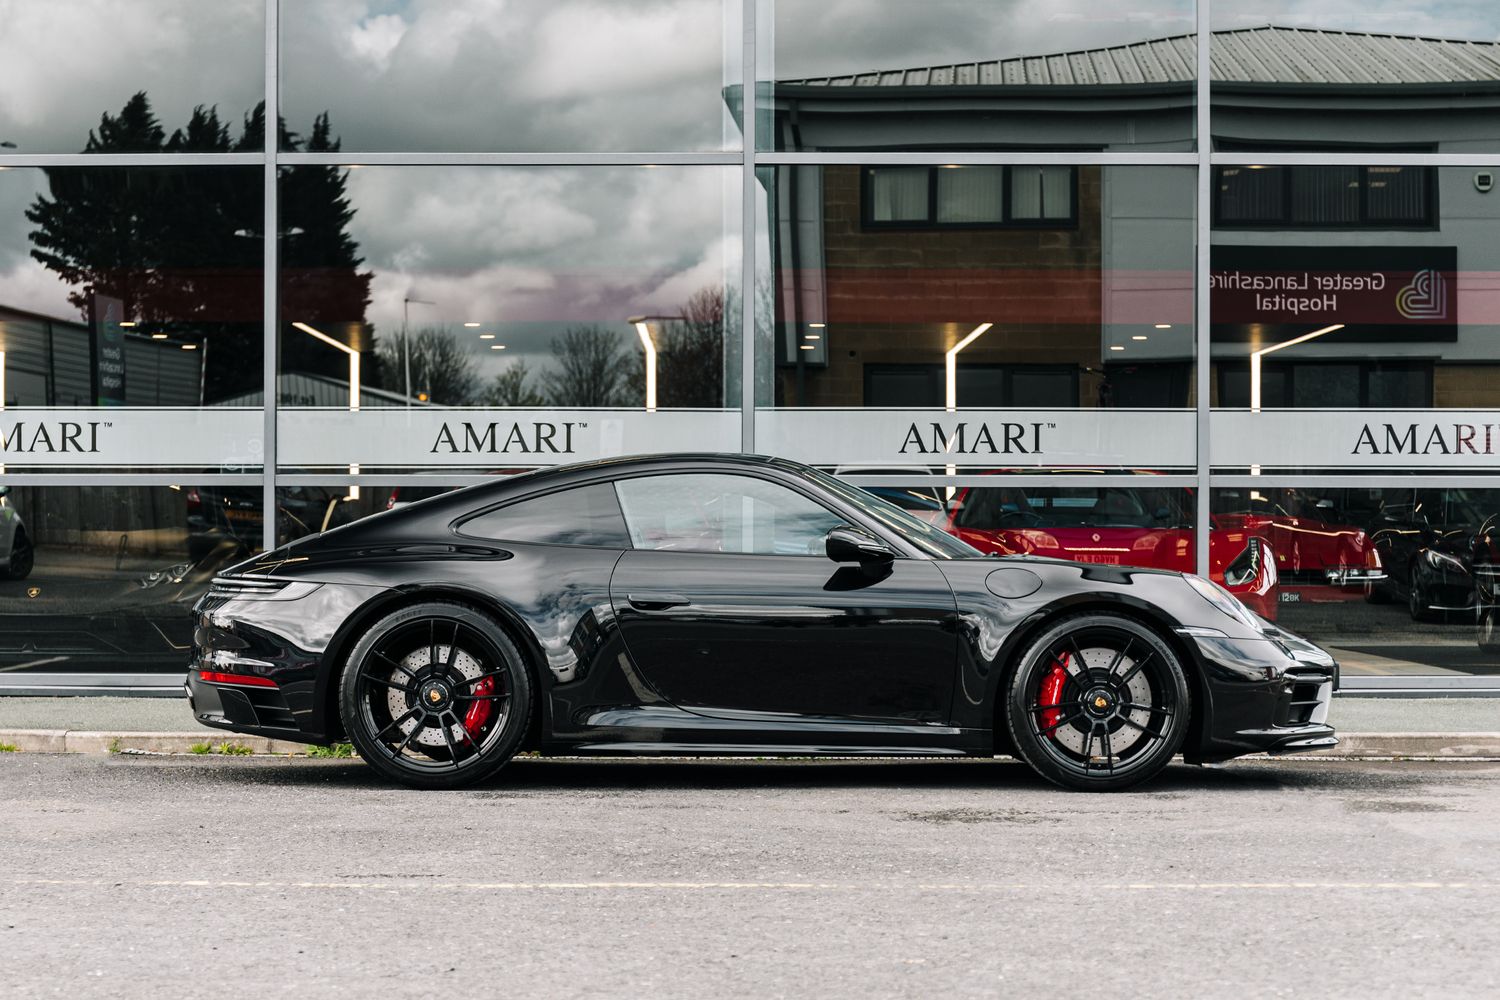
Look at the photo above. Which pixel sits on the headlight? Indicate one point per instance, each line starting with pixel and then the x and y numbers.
pixel 1443 561
pixel 1222 599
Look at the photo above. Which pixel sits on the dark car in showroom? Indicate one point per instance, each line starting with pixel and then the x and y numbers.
pixel 724 604
pixel 1431 542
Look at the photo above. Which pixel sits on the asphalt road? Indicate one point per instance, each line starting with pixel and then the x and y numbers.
pixel 185 877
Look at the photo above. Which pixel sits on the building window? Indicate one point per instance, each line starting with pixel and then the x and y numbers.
pixel 1378 385
pixel 1324 197
pixel 976 386
pixel 960 197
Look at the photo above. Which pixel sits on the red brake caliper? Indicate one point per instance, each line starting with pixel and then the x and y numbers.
pixel 1051 693
pixel 479 711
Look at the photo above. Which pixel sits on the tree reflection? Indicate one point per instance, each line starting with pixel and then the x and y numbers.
pixel 182 247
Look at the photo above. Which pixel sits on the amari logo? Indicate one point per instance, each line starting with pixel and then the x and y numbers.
pixel 975 439
pixel 495 438
pixel 55 438
pixel 1425 297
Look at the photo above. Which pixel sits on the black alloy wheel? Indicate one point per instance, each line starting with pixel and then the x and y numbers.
pixel 22 556
pixel 1417 604
pixel 1098 703
pixel 435 696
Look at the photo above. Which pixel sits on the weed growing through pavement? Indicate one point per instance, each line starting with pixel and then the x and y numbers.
pixel 9 748
pixel 332 750
pixel 228 749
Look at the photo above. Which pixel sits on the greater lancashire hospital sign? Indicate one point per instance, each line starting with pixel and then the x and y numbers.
pixel 1377 293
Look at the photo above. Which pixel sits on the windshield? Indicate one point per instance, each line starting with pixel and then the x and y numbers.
pixel 929 538
pixel 992 507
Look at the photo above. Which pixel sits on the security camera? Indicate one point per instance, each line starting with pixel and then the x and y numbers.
pixel 1484 181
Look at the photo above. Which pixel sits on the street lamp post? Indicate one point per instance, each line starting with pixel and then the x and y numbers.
pixel 642 326
pixel 406 341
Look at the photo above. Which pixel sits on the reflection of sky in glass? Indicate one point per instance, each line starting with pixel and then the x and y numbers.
pixel 814 38
pixel 527 252
pixel 1474 20
pixel 67 62
pixel 518 75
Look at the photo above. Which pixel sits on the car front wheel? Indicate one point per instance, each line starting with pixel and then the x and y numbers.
pixel 1488 635
pixel 1099 702
pixel 22 556
pixel 435 696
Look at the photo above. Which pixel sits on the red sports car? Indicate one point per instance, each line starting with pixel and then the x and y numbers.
pixel 1115 526
pixel 1323 558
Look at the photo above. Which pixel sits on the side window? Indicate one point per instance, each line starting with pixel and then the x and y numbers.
pixel 718 513
pixel 584 515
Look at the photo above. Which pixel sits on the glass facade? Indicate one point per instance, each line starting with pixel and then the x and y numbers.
pixel 1066 279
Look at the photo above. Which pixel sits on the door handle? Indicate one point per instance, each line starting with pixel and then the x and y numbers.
pixel 657 602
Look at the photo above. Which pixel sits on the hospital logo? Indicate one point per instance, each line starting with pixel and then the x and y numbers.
pixel 1425 297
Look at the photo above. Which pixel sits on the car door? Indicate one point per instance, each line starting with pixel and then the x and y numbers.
pixel 730 606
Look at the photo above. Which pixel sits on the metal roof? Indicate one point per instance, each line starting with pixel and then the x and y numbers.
pixel 1265 55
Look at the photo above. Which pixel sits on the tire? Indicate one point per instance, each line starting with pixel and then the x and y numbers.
pixel 1488 635
pixel 435 696
pixel 22 556
pixel 1124 659
pixel 1416 597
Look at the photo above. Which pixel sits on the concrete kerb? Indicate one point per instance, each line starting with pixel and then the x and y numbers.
pixel 1455 746
pixel 86 741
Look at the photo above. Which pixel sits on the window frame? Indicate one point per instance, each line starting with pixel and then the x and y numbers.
pixel 1008 221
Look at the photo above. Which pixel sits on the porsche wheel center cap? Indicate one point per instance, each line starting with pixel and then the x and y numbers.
pixel 435 695
pixel 1099 703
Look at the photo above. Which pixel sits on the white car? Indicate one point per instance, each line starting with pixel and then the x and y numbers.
pixel 15 543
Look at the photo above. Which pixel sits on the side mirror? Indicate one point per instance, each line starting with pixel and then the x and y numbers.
pixel 4 491
pixel 1324 504
pixel 846 545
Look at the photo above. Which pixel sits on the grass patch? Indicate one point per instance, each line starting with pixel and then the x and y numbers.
pixel 227 749
pixel 9 748
pixel 114 746
pixel 341 750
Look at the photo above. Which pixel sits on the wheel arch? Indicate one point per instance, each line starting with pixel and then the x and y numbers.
pixel 1143 612
pixel 348 634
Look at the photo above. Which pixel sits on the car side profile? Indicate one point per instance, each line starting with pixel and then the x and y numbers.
pixel 730 604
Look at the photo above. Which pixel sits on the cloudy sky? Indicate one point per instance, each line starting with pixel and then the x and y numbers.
pixel 557 75
pixel 536 247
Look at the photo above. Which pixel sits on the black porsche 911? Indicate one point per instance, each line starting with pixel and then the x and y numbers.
pixel 727 604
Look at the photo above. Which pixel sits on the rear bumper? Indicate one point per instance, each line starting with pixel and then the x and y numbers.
pixel 1262 696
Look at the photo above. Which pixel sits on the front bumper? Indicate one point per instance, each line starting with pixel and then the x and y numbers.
pixel 1269 695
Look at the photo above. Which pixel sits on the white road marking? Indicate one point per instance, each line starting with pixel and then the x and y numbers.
pixel 1028 887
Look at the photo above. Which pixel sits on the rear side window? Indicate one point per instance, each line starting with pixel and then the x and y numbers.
pixel 585 515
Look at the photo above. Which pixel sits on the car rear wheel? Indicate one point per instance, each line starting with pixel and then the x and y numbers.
pixel 435 696
pixel 22 556
pixel 1098 703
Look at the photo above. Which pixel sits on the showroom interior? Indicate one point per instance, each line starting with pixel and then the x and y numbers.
pixel 1211 287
